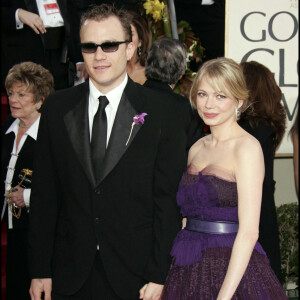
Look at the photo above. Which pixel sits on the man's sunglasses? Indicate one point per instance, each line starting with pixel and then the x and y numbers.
pixel 106 47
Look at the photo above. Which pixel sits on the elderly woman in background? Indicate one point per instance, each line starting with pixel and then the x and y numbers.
pixel 265 119
pixel 27 85
pixel 142 39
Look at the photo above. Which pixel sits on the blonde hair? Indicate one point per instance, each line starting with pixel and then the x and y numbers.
pixel 223 74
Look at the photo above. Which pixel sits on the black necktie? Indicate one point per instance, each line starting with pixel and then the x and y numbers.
pixel 99 133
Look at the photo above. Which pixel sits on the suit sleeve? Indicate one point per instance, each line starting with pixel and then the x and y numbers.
pixel 43 204
pixel 8 10
pixel 170 163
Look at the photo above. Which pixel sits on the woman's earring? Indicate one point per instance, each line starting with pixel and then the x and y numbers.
pixel 237 114
pixel 139 51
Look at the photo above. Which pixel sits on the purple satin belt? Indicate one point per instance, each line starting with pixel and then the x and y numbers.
pixel 213 227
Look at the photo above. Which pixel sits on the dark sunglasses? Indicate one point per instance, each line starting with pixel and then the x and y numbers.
pixel 106 47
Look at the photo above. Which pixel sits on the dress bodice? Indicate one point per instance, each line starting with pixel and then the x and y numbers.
pixel 209 194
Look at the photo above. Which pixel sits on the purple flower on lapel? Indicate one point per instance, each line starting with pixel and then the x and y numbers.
pixel 137 120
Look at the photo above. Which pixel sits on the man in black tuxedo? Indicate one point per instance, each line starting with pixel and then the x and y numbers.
pixel 165 65
pixel 44 32
pixel 102 228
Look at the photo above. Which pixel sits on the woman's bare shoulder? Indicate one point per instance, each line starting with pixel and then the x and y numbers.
pixel 248 150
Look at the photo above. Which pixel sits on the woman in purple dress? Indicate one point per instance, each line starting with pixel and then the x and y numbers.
pixel 216 255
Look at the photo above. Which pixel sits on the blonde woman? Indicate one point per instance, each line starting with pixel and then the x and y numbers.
pixel 217 256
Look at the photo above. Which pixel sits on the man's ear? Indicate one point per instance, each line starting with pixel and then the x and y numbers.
pixel 130 50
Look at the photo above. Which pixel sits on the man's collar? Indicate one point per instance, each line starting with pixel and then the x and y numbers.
pixel 113 96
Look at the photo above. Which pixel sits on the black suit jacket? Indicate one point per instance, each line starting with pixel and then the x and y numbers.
pixel 25 161
pixel 25 45
pixel 188 118
pixel 131 212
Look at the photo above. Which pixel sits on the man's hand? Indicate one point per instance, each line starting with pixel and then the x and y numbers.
pixel 32 20
pixel 38 286
pixel 151 291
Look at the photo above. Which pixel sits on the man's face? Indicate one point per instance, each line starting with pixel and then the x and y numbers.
pixel 106 70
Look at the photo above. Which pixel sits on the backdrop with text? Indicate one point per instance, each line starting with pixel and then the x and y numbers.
pixel 267 32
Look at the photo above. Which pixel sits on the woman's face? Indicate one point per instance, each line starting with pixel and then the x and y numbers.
pixel 215 107
pixel 21 102
pixel 135 37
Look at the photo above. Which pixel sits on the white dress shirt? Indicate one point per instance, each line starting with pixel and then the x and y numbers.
pixel 114 97
pixel 32 132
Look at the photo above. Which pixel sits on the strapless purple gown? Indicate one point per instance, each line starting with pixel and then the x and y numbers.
pixel 200 260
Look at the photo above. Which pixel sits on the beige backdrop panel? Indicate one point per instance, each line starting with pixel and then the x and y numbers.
pixel 267 32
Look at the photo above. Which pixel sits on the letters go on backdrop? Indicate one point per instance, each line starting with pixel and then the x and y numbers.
pixel 267 32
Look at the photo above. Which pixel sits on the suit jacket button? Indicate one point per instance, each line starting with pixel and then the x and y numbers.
pixel 97 220
pixel 97 191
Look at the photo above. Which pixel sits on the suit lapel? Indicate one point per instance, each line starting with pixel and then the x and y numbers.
pixel 77 124
pixel 130 105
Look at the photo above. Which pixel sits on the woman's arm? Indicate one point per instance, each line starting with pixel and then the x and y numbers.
pixel 249 171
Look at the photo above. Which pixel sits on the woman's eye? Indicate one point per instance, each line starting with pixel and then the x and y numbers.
pixel 200 94
pixel 21 95
pixel 221 96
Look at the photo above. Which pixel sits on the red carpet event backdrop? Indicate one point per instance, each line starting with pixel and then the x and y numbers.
pixel 267 32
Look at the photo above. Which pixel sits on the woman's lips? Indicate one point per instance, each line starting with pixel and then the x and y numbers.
pixel 14 108
pixel 210 116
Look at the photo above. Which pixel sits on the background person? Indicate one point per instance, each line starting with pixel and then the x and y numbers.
pixel 265 119
pixel 111 219
pixel 217 256
pixel 294 132
pixel 165 65
pixel 27 85
pixel 142 39
pixel 44 32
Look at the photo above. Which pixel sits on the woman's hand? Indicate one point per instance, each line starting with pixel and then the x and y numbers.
pixel 32 20
pixel 17 198
pixel 151 291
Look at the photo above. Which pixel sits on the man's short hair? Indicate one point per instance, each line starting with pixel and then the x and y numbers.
pixel 166 61
pixel 103 11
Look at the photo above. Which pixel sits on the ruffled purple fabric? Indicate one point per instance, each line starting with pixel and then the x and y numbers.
pixel 198 196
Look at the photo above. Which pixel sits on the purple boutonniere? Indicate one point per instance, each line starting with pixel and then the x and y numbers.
pixel 137 120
